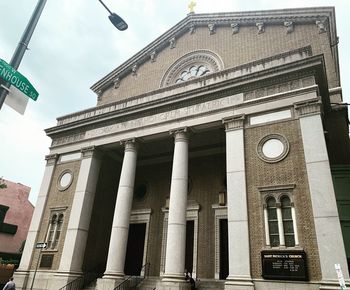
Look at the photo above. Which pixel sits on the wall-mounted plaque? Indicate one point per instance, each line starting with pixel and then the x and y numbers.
pixel 284 265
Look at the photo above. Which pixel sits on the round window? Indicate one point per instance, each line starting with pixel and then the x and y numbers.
pixel 273 148
pixel 65 180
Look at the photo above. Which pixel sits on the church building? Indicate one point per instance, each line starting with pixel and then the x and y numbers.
pixel 209 152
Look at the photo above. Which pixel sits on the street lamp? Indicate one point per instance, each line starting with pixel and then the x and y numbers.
pixel 116 20
pixel 22 46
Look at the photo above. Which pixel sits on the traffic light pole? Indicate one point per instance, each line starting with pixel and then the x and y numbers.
pixel 23 46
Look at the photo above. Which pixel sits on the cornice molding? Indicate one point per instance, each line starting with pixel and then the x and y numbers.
pixel 324 15
pixel 109 114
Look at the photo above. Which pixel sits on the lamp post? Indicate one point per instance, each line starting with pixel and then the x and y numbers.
pixel 116 20
pixel 22 46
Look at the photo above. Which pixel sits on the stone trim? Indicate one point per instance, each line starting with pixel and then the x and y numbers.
pixel 138 217
pixel 59 186
pixel 220 212
pixel 282 139
pixel 313 107
pixel 166 92
pixel 234 123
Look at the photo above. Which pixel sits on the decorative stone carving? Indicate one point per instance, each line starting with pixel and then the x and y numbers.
pixel 212 28
pixel 51 159
pixel 312 107
pixel 192 28
pixel 235 27
pixel 172 42
pixel 153 56
pixel 261 27
pixel 87 152
pixel 130 144
pixel 321 24
pixel 289 25
pixel 234 123
pixel 134 69
pixel 116 83
pixel 99 93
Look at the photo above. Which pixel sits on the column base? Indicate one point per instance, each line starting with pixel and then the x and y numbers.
pixel 21 279
pixel 61 279
pixel 331 284
pixel 108 282
pixel 239 283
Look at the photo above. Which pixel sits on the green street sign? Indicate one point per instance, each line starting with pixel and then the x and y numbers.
pixel 19 81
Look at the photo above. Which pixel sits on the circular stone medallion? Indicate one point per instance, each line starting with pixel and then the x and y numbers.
pixel 65 180
pixel 273 148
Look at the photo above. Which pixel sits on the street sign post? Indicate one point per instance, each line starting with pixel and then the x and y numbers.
pixel 17 80
pixel 41 245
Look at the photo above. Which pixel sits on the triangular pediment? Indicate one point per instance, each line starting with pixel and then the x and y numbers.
pixel 163 56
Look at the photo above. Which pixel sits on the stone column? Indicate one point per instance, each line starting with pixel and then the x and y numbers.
pixel 327 225
pixel 237 210
pixel 80 215
pixel 120 229
pixel 173 277
pixel 22 272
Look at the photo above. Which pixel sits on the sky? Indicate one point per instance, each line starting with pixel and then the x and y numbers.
pixel 74 45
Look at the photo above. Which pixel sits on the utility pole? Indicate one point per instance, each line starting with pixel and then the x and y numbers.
pixel 23 46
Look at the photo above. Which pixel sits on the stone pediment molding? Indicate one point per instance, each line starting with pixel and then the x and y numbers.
pixel 324 15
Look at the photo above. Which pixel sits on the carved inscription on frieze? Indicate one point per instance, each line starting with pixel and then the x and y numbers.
pixel 167 116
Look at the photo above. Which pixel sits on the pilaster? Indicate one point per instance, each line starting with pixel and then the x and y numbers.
pixel 327 226
pixel 237 209
pixel 80 215
pixel 22 273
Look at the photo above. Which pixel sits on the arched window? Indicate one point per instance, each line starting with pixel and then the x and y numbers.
pixel 272 222
pixel 50 235
pixel 280 221
pixel 287 221
pixel 54 231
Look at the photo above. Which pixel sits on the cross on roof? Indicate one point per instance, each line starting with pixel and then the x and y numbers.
pixel 191 6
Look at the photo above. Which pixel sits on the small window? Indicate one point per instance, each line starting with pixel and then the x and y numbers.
pixel 273 222
pixel 54 231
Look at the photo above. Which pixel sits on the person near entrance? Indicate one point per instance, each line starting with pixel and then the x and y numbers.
pixel 10 285
pixel 189 278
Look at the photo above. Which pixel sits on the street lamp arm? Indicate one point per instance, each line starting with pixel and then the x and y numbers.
pixel 104 5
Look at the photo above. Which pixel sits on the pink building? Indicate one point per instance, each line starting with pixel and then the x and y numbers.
pixel 15 215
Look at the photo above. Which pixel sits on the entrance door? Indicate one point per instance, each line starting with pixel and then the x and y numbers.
pixel 134 251
pixel 223 249
pixel 189 246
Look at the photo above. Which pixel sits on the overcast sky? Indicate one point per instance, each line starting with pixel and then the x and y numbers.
pixel 74 45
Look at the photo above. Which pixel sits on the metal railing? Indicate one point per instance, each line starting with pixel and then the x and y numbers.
pixel 131 282
pixel 80 282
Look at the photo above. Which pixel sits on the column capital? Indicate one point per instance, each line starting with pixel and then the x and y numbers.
pixel 87 152
pixel 180 134
pixel 51 159
pixel 234 123
pixel 130 144
pixel 312 107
